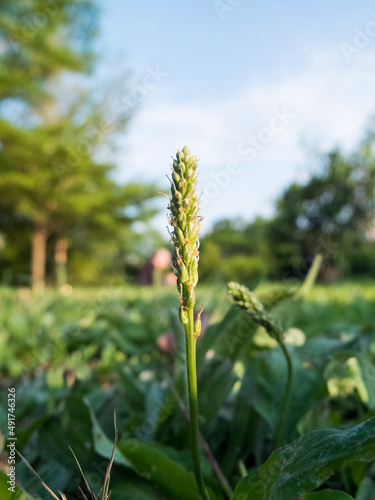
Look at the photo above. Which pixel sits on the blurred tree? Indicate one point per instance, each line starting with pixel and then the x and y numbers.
pixel 56 173
pixel 63 199
pixel 40 40
pixel 329 214
pixel 235 250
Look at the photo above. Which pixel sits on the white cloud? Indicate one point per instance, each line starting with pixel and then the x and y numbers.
pixel 331 100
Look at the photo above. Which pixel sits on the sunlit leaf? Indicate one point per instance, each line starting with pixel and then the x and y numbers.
pixel 303 465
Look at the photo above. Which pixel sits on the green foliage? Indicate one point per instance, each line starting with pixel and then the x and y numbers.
pixel 40 40
pixel 157 467
pixel 53 182
pixel 328 495
pixel 235 251
pixel 74 360
pixel 19 493
pixel 244 268
pixel 303 465
pixel 328 214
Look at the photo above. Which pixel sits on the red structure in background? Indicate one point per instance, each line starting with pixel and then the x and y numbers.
pixel 157 270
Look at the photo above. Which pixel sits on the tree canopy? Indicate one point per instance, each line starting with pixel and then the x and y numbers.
pixel 55 185
pixel 330 214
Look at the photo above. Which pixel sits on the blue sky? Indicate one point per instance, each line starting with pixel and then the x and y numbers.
pixel 253 88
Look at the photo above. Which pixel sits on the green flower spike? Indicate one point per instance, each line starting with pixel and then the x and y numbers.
pixel 186 225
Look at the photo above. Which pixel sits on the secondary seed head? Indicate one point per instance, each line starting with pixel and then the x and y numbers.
pixel 254 308
pixel 185 222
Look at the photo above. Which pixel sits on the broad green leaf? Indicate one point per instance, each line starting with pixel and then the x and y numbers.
pixel 24 436
pixel 103 446
pixel 141 491
pixel 142 462
pixel 174 480
pixel 367 371
pixel 267 374
pixel 248 429
pixel 215 331
pixel 154 402
pixel 303 465
pixel 366 490
pixel 262 390
pixel 215 383
pixel 235 336
pixel 327 495
pixel 72 428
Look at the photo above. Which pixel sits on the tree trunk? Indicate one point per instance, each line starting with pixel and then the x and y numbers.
pixel 61 250
pixel 38 258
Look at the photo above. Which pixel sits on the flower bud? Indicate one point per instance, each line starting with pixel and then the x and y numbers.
pixel 183 316
pixel 198 326
pixel 184 276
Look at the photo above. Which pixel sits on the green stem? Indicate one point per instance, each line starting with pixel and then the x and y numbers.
pixel 286 399
pixel 193 400
pixel 206 449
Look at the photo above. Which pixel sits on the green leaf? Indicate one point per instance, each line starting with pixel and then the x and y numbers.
pixel 311 276
pixel 366 489
pixel 266 372
pixel 215 331
pixel 103 446
pixel 303 465
pixel 149 461
pixel 174 480
pixel 215 383
pixel 248 430
pixel 367 373
pixel 24 436
pixel 140 490
pixel 235 336
pixel 327 495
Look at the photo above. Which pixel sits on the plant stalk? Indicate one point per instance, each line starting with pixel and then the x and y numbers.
pixel 206 449
pixel 193 401
pixel 186 224
pixel 286 398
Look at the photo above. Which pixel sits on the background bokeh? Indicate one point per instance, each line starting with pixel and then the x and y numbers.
pixel 277 101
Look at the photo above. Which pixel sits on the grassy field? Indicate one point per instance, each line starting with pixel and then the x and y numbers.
pixel 75 359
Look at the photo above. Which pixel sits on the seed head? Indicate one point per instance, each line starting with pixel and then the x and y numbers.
pixel 185 222
pixel 254 308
